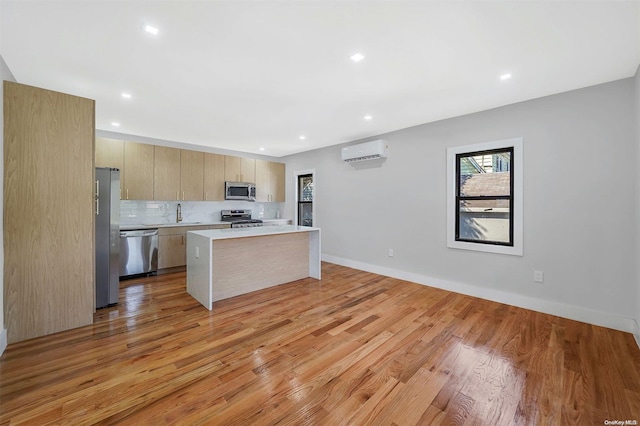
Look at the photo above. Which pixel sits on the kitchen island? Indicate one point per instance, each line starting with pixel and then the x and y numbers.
pixel 224 263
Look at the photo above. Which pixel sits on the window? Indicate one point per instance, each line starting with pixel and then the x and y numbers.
pixel 305 200
pixel 484 187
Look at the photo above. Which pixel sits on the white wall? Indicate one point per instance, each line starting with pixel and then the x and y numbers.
pixel 5 74
pixel 580 217
pixel 637 135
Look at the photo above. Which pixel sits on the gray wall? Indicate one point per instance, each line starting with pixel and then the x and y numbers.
pixel 580 217
pixel 5 74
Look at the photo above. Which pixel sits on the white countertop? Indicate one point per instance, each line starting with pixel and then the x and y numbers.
pixel 168 225
pixel 223 234
pixel 173 225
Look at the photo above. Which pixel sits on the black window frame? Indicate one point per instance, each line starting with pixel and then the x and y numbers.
pixel 300 202
pixel 510 197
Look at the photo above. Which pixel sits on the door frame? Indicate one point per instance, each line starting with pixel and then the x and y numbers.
pixel 296 176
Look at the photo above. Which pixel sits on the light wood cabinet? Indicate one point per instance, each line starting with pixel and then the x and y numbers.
pixel 191 175
pixel 239 169
pixel 153 172
pixel 110 153
pixel 269 181
pixel 263 180
pixel 172 249
pixel 177 174
pixel 49 269
pixel 172 244
pixel 278 171
pixel 166 174
pixel 214 177
pixel 138 171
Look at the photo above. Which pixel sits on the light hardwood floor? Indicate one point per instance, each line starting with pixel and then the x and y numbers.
pixel 354 348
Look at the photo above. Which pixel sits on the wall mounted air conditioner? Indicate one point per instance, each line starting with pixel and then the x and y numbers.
pixel 365 151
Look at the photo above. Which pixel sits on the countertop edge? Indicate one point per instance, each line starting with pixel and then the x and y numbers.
pixel 225 234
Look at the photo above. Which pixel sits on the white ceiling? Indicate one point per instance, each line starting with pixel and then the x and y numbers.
pixel 242 75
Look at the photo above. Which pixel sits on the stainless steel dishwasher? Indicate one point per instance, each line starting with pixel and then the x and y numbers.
pixel 138 252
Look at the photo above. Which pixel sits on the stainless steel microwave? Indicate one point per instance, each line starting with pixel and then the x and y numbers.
pixel 240 191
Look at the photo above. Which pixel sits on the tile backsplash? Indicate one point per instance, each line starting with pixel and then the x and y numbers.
pixel 165 212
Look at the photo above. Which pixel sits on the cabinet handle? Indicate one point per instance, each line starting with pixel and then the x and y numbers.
pixel 182 195
pixel 127 193
pixel 177 195
pixel 205 195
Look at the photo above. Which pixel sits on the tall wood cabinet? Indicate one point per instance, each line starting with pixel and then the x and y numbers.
pixel 48 211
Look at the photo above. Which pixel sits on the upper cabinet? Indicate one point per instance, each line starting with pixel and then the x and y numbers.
pixel 138 175
pixel 166 174
pixel 269 181
pixel 191 175
pixel 239 169
pixel 152 172
pixel 178 174
pixel 213 177
pixel 277 182
pixel 110 153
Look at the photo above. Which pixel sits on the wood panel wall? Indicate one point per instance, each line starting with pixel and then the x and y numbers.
pixel 48 211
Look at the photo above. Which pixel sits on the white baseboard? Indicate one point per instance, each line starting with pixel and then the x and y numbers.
pixel 3 341
pixel 636 334
pixel 572 312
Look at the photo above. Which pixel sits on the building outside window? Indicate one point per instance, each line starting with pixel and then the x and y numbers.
pixel 484 197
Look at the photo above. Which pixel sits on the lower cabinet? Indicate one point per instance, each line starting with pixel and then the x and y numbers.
pixel 172 244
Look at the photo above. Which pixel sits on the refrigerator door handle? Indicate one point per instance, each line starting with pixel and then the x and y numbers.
pixel 97 197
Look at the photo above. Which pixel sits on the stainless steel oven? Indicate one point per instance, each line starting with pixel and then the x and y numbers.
pixel 240 218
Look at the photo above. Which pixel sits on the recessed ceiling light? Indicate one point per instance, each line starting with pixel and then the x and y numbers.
pixel 151 29
pixel 368 117
pixel 115 124
pixel 302 137
pixel 126 95
pixel 506 76
pixel 357 57
pixel 261 148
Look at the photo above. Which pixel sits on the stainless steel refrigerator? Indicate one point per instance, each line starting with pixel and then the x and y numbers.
pixel 107 236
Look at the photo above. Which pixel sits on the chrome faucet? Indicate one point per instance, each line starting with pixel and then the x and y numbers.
pixel 179 214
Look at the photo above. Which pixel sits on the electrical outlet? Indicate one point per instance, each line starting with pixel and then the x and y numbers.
pixel 390 252
pixel 538 276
